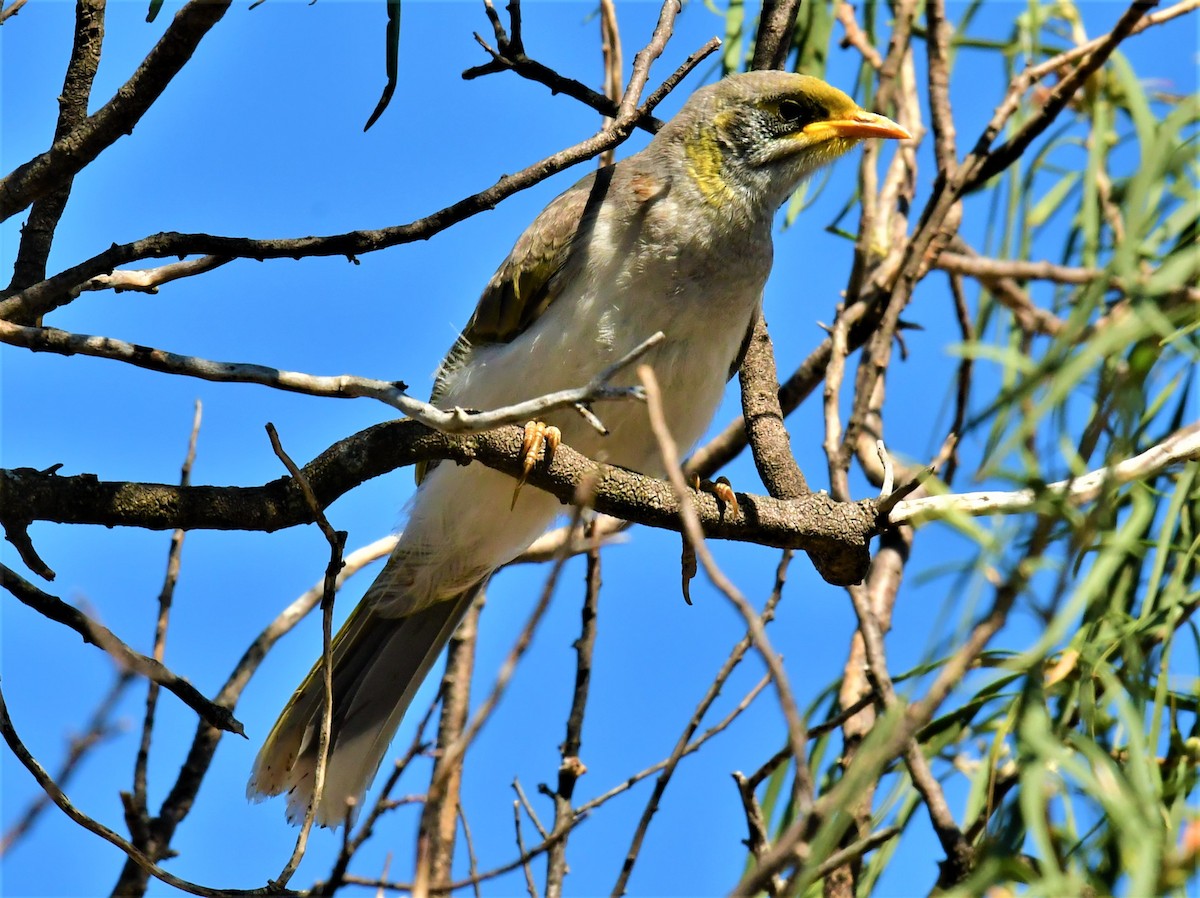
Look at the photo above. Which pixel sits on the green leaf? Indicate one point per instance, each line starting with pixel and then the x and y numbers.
pixel 1052 201
pixel 392 62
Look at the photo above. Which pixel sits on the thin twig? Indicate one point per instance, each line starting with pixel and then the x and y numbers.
pixel 100 727
pixel 754 623
pixel 148 280
pixel 571 767
pixel 136 807
pixel 60 799
pixel 1181 446
pixel 343 386
pixel 37 232
pixel 337 545
pixel 95 633
pixel 73 151
pixel 30 304
pixel 530 885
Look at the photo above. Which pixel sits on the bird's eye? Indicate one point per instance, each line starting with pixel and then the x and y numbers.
pixel 798 114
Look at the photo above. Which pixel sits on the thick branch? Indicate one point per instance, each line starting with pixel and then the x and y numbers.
pixel 812 523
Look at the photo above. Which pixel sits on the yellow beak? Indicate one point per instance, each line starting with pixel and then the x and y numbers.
pixel 857 125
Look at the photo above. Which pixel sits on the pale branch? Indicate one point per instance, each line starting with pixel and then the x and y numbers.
pixel 11 10
pixel 344 386
pixel 95 633
pixel 1019 269
pixel 1054 64
pixel 614 64
pixel 643 59
pixel 148 280
pixel 855 37
pixel 1181 446
pixel 802 792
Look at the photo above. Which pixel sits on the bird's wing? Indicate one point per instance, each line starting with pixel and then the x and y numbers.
pixel 528 281
pixel 744 348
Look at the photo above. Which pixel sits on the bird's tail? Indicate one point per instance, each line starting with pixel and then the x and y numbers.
pixel 378 665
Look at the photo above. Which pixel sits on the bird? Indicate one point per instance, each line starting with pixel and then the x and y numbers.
pixel 675 238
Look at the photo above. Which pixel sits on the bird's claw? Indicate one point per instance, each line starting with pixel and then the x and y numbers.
pixel 539 442
pixel 722 489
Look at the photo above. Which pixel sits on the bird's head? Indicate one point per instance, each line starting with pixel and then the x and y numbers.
pixel 753 137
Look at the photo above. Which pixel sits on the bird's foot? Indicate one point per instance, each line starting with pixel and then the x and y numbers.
pixel 722 489
pixel 540 442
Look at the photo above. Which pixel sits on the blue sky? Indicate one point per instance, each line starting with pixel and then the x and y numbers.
pixel 262 136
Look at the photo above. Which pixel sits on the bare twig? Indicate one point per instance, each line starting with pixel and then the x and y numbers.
pixel 100 727
pixel 383 803
pixel 341 387
pixel 571 767
pixel 754 623
pixel 769 441
pixel 855 36
pixel 37 233
pixel 530 885
pixel 509 55
pixel 994 161
pixel 60 799
pixel 11 10
pixel 1183 445
pixel 214 713
pixel 73 151
pixel 610 48
pixel 454 752
pixel 337 545
pixel 29 304
pixel 148 280
pixel 438 825
pixel 136 807
pixel 937 48
pixel 839 484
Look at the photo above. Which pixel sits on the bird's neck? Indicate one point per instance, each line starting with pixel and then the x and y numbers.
pixel 703 164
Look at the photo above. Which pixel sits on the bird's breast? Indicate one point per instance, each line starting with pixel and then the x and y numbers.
pixel 697 286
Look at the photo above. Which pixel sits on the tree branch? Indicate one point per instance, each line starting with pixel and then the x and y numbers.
pixel 814 522
pixel 100 636
pixel 75 150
